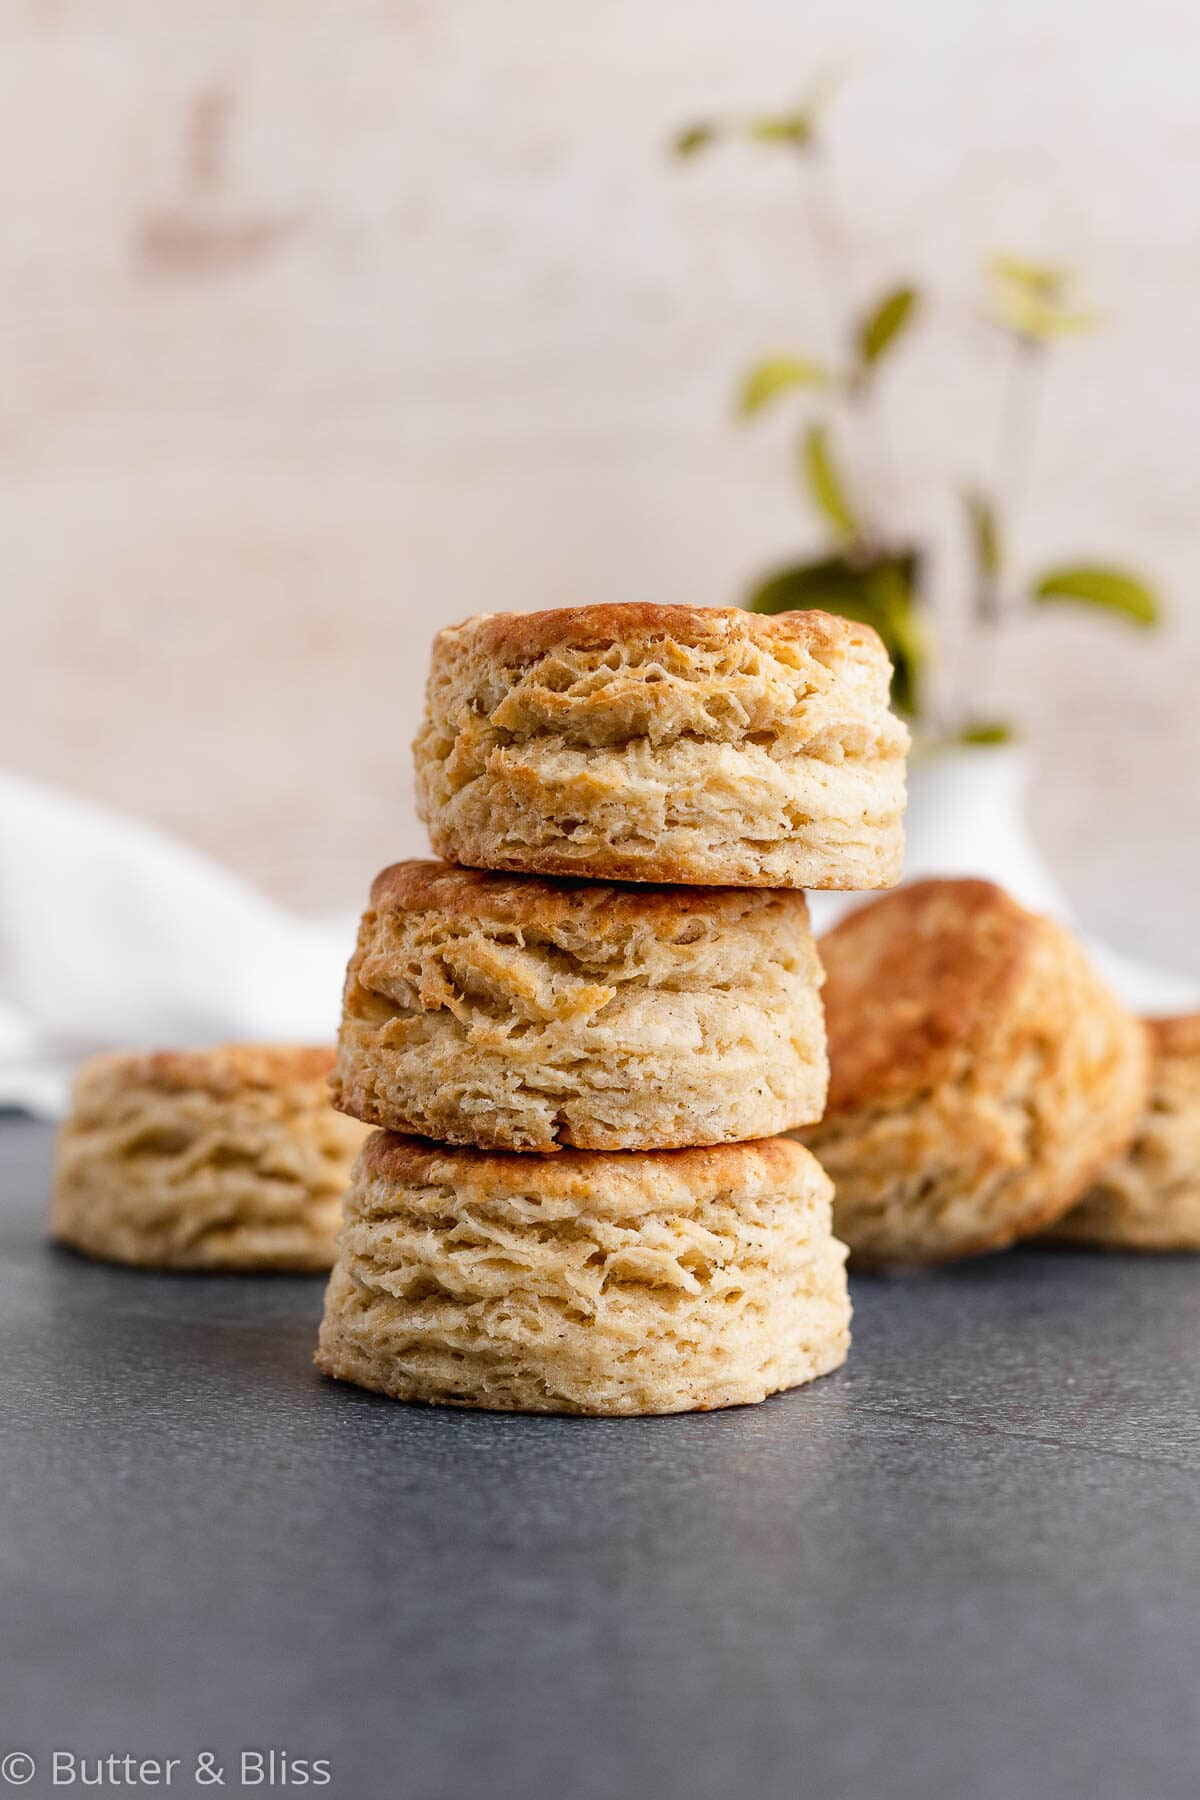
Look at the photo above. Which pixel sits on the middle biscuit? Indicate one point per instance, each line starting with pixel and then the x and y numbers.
pixel 526 1013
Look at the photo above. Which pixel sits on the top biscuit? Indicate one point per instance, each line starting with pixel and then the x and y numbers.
pixel 665 744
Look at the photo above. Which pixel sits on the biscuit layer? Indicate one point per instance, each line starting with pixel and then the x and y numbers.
pixel 522 1013
pixel 229 1158
pixel 665 743
pixel 980 1074
pixel 1149 1199
pixel 667 1282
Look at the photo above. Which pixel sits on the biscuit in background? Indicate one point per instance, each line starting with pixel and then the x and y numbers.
pixel 671 1281
pixel 1149 1199
pixel 981 1075
pixel 524 1013
pixel 228 1158
pixel 665 743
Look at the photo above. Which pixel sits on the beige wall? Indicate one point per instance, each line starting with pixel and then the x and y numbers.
pixel 327 323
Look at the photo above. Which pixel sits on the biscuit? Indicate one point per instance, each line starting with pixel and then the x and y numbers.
pixel 981 1075
pixel 522 1013
pixel 671 1281
pixel 665 743
pixel 1149 1199
pixel 229 1158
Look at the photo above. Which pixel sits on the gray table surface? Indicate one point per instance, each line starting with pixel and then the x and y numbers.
pixel 967 1566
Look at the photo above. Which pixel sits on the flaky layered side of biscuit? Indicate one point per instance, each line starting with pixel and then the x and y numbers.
pixel 524 1014
pixel 1149 1199
pixel 208 1159
pixel 981 1074
pixel 581 1283
pixel 657 743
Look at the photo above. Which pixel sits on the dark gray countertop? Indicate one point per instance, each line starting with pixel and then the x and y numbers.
pixel 965 1568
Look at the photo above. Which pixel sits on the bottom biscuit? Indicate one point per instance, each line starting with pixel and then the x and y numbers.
pixel 586 1282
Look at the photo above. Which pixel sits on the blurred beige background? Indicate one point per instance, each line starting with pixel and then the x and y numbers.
pixel 326 324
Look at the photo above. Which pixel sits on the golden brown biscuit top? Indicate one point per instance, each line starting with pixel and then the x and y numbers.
pixel 515 637
pixel 914 978
pixel 533 900
pixel 221 1069
pixel 1175 1037
pixel 586 1176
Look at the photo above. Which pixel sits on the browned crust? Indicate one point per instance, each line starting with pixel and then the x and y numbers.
pixel 221 1070
pixel 451 890
pixel 415 1161
pixel 516 637
pixel 1179 1036
pixel 913 980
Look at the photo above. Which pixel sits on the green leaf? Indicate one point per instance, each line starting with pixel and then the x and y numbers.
pixel 1031 299
pixel 880 592
pixel 828 584
pixel 986 731
pixel 796 128
pixel 1036 320
pixel 824 483
pixel 1114 590
pixel 879 328
pixel 1047 281
pixel 891 583
pixel 694 138
pixel 985 532
pixel 777 375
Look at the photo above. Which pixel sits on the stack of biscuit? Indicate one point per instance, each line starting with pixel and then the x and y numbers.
pixel 582 1034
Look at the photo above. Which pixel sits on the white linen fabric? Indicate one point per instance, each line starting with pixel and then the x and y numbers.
pixel 113 934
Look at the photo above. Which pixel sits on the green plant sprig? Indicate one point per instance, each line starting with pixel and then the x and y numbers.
pixel 798 128
pixel 878 577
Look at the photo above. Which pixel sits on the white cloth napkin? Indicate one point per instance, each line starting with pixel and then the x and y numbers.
pixel 114 934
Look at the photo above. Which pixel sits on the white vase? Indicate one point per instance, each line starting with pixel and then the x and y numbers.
pixel 967 816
